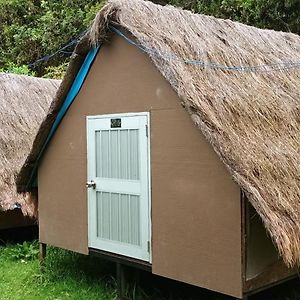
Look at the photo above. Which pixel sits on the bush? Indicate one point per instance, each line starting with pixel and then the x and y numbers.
pixel 24 252
pixel 11 67
pixel 31 29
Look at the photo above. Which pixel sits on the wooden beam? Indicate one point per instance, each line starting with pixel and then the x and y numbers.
pixel 128 261
pixel 42 255
pixel 244 233
pixel 121 283
pixel 273 275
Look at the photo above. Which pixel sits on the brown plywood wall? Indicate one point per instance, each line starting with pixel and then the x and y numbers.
pixel 195 207
pixel 196 227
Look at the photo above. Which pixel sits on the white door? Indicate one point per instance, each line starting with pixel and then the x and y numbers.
pixel 118 184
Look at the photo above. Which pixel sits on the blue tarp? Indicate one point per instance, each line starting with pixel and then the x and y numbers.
pixel 73 92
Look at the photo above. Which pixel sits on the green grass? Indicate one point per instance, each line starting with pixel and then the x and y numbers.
pixel 64 277
pixel 72 276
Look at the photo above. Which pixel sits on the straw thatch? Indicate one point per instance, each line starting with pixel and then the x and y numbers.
pixel 24 102
pixel 252 119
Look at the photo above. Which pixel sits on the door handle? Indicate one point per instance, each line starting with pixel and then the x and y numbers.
pixel 91 184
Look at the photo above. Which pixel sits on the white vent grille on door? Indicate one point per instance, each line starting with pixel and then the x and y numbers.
pixel 118 217
pixel 117 154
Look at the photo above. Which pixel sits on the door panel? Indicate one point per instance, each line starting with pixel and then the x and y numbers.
pixel 118 217
pixel 118 155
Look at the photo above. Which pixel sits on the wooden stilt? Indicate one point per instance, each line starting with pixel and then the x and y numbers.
pixel 121 281
pixel 42 256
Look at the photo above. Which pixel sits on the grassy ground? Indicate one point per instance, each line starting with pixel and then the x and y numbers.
pixel 71 276
pixel 64 277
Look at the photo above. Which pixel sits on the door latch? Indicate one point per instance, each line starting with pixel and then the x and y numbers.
pixel 91 184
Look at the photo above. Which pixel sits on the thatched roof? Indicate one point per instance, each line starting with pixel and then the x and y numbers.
pixel 251 119
pixel 24 102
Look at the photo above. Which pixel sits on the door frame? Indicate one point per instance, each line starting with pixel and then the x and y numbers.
pixel 148 133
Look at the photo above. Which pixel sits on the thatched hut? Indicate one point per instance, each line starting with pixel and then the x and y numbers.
pixel 215 207
pixel 24 102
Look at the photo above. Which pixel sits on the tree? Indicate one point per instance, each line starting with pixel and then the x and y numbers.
pixel 31 29
pixel 281 15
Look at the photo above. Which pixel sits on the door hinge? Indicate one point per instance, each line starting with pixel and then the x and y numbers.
pixel 146 130
pixel 148 246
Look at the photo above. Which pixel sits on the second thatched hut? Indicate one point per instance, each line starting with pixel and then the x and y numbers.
pixel 24 103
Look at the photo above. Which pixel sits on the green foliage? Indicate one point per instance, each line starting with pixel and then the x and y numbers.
pixel 11 67
pixel 56 72
pixel 66 276
pixel 24 252
pixel 62 21
pixel 274 14
pixel 31 29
